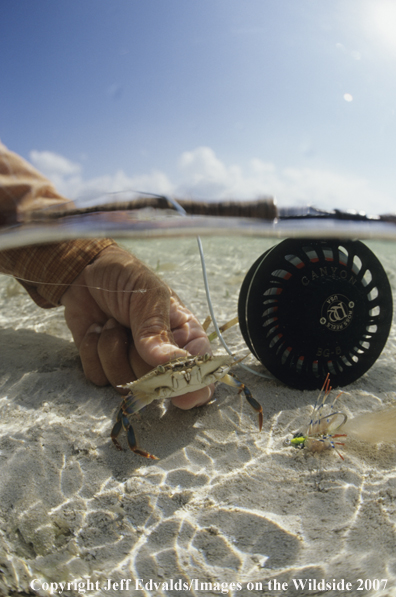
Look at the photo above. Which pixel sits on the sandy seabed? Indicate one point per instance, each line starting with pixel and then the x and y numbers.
pixel 225 507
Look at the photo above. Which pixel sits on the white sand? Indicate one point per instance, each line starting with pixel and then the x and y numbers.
pixel 224 504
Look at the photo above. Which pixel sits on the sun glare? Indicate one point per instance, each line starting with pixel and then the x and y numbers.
pixel 383 20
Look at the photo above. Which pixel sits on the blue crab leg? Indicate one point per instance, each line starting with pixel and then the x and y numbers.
pixel 131 438
pixel 231 380
pixel 123 422
pixel 115 432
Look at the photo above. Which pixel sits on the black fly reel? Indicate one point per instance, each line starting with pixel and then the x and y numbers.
pixel 311 307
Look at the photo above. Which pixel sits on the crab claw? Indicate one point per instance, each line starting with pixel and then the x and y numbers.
pixel 231 380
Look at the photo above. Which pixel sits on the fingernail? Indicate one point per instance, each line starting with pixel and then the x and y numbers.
pixel 208 399
pixel 110 324
pixel 172 352
pixel 95 328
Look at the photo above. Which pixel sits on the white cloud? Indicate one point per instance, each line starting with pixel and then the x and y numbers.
pixel 49 162
pixel 203 175
pixel 328 190
pixel 62 172
pixel 88 191
pixel 67 177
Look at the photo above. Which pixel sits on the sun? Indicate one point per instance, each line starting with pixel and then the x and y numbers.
pixel 383 20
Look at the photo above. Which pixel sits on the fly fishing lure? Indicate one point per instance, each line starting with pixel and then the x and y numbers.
pixel 322 428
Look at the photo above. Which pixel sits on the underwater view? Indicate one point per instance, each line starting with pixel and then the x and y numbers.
pixel 225 508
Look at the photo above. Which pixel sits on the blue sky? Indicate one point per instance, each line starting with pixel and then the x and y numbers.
pixel 208 98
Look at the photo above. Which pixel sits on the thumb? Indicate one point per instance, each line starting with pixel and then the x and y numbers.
pixel 150 325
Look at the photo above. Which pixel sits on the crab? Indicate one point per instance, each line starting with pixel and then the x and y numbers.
pixel 178 376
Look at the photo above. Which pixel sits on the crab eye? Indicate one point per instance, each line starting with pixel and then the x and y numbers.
pixel 161 369
pixel 206 357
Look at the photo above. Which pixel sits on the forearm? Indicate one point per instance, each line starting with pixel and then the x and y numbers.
pixel 46 271
pixel 23 188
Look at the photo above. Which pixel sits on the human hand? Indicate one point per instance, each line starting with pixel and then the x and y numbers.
pixel 125 321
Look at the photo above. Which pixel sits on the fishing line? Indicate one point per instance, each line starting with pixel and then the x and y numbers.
pixel 183 212
pixel 139 290
pixel 212 314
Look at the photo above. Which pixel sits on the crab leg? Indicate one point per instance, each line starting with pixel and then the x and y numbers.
pixel 123 422
pixel 231 380
pixel 131 438
pixel 222 328
pixel 135 401
pixel 115 432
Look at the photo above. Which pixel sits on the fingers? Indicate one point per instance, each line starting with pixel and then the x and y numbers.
pixel 151 329
pixel 186 329
pixel 140 323
pixel 104 353
pixel 90 361
pixel 113 354
pixel 165 325
pixel 141 301
pixel 108 356
pixel 196 343
pixel 165 329
pixel 193 399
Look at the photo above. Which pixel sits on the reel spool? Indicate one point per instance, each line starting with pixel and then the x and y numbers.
pixel 309 307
